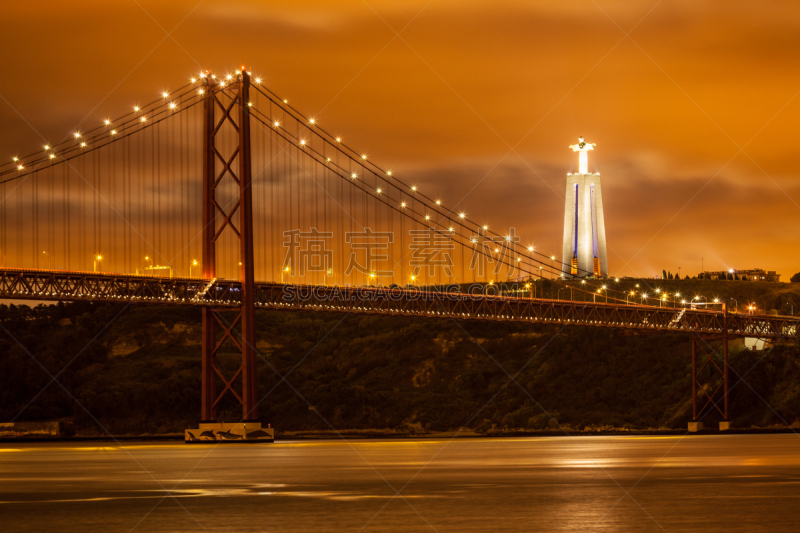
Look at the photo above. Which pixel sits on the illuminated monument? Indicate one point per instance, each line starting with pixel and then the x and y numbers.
pixel 584 252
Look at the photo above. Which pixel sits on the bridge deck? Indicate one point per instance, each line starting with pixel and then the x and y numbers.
pixel 31 284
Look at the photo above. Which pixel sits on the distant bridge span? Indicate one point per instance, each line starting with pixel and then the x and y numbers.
pixel 220 294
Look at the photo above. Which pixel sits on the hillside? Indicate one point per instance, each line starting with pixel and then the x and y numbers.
pixel 142 373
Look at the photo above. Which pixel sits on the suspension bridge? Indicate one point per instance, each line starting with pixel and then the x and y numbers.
pixel 283 215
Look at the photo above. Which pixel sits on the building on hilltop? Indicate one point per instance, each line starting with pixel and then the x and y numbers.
pixel 755 274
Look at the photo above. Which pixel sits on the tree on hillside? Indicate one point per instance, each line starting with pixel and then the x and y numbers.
pixel 663 274
pixel 795 278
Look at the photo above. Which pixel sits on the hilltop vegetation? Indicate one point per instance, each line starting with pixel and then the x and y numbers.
pixel 141 373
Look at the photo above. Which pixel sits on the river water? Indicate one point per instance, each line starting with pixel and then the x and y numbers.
pixel 636 483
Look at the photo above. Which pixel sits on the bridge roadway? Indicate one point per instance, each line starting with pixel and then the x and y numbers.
pixel 32 284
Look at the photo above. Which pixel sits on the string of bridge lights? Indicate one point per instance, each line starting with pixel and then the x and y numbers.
pixel 403 204
pixel 461 216
pixel 188 292
pixel 146 116
pixel 84 141
pixel 376 195
pixel 81 143
pixel 397 206
pixel 604 289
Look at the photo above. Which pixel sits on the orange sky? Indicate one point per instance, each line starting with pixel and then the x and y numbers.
pixel 477 102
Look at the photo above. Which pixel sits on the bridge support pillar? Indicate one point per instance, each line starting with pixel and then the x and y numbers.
pixel 694 387
pixel 713 369
pixel 249 371
pixel 208 381
pixel 725 425
pixel 238 331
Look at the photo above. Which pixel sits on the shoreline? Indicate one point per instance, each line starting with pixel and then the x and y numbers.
pixel 386 435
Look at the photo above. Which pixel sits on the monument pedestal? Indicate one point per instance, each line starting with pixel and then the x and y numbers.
pixel 247 432
pixel 694 427
pixel 724 425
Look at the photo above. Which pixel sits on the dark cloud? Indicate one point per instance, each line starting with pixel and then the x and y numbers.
pixel 669 109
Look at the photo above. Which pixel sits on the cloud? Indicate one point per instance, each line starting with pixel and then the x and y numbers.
pixel 668 112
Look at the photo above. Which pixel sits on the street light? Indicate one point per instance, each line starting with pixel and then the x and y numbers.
pixel 147 258
pixel 48 260
pixel 283 273
pixel 644 297
pixel 792 306
pixel 632 293
pixel 527 287
pixel 97 260
pixel 191 266
pixel 737 304
pixel 606 290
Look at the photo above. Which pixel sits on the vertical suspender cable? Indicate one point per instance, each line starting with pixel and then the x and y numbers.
pixel 36 251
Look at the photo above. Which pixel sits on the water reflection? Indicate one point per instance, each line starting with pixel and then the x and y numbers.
pixel 550 484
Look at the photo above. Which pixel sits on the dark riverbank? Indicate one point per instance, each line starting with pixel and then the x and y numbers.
pixel 384 434
pixel 136 371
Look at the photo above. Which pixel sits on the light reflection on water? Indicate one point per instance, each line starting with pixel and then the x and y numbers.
pixel 218 493
pixel 550 484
